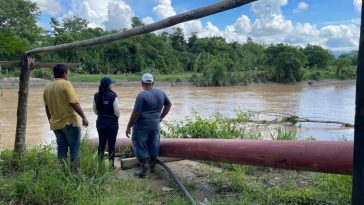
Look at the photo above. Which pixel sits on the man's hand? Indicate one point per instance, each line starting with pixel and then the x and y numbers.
pixel 127 132
pixel 84 122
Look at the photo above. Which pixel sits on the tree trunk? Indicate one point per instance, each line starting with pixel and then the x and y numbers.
pixel 21 124
pixel 358 159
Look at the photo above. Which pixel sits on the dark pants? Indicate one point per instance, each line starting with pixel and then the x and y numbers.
pixel 69 137
pixel 108 130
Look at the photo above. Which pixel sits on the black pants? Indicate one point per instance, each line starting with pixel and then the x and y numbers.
pixel 108 130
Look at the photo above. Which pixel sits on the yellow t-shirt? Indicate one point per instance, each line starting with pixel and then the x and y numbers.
pixel 57 97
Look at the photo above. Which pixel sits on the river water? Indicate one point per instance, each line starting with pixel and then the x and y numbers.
pixel 326 100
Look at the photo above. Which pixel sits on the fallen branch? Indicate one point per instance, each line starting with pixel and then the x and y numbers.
pixel 299 119
pixel 285 118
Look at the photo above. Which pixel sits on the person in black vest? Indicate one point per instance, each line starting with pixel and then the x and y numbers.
pixel 106 108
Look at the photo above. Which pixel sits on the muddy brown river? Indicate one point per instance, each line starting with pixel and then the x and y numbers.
pixel 326 100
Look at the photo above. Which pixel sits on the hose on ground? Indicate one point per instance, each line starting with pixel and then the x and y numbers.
pixel 178 182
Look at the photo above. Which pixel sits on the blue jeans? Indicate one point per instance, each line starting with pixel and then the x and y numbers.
pixel 146 142
pixel 69 137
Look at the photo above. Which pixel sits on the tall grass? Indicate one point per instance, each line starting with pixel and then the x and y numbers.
pixel 36 177
pixel 242 184
pixel 282 133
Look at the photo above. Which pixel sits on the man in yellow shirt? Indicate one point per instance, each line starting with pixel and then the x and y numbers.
pixel 62 106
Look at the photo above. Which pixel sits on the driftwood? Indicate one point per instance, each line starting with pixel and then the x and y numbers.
pixel 168 22
pixel 299 119
pixel 287 118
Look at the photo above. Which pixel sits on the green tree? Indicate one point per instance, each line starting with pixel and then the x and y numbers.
pixel 10 46
pixel 74 24
pixel 317 56
pixel 191 41
pixel 177 39
pixel 285 62
pixel 18 27
pixel 135 22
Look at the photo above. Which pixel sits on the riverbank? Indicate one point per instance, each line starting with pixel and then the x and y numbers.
pixel 12 83
pixel 84 81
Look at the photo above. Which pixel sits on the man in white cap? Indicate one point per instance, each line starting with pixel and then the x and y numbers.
pixel 151 106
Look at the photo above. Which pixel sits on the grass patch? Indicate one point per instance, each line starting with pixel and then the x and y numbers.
pixel 241 184
pixel 37 178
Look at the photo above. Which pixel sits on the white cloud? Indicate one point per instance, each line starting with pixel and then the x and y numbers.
pixel 302 6
pixel 242 25
pixel 51 7
pixel 94 11
pixel 164 9
pixel 341 37
pixel 119 15
pixel 304 34
pixel 357 4
pixel 264 8
pixel 148 20
pixel 107 14
pixel 190 27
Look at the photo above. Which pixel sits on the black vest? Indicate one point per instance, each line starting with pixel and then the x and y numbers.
pixel 107 107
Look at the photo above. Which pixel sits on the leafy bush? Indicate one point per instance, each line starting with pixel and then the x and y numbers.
pixel 199 127
pixel 348 72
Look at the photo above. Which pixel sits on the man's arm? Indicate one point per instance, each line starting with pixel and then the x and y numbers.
pixel 133 119
pixel 165 111
pixel 48 113
pixel 77 108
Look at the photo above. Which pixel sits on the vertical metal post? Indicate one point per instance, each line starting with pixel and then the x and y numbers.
pixel 21 124
pixel 358 160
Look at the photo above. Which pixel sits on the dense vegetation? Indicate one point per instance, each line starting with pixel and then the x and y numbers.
pixel 214 61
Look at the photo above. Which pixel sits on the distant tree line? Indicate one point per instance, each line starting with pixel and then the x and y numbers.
pixel 214 61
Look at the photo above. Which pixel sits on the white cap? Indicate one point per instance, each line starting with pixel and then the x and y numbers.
pixel 147 78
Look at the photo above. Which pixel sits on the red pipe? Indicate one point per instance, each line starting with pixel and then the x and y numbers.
pixel 318 156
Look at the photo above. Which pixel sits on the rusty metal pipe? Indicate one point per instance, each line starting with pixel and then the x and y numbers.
pixel 317 156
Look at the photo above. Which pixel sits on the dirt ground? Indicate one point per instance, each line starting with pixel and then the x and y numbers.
pixel 193 175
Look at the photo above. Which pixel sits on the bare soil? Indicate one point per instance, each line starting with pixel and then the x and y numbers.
pixel 193 174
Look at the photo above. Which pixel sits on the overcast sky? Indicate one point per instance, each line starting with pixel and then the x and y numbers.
pixel 332 24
